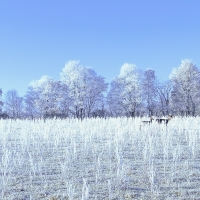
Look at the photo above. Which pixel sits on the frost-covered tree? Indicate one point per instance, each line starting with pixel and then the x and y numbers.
pixel 149 91
pixel 1 102
pixel 185 93
pixel 72 75
pixel 45 95
pixel 13 104
pixel 96 87
pixel 114 100
pixel 30 100
pixel 86 88
pixel 64 100
pixel 163 91
pixel 125 95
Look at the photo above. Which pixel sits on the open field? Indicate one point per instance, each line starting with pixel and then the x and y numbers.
pixel 99 159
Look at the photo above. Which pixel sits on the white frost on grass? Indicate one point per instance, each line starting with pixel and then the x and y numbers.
pixel 99 158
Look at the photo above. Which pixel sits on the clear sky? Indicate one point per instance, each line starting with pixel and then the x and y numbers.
pixel 38 37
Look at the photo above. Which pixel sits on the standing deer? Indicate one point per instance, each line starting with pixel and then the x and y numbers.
pixel 164 120
pixel 148 121
pixel 168 119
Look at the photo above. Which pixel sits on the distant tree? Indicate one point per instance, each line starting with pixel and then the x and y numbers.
pixel 101 110
pixel 30 100
pixel 125 95
pixel 86 88
pixel 1 102
pixel 149 91
pixel 73 76
pixel 114 100
pixel 44 96
pixel 13 104
pixel 64 100
pixel 163 91
pixel 96 87
pixel 185 93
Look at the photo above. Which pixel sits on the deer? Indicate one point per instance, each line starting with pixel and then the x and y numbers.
pixel 168 119
pixel 148 121
pixel 164 120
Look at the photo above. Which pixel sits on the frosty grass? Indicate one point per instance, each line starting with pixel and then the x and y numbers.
pixel 113 158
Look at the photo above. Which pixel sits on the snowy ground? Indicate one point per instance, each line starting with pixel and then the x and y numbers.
pixel 99 159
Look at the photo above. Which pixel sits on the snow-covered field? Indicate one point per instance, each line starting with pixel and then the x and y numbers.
pixel 111 158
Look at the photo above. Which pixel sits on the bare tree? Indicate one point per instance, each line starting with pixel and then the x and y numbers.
pixel 13 104
pixel 163 91
pixel 149 91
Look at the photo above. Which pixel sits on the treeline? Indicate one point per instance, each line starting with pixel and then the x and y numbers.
pixel 81 93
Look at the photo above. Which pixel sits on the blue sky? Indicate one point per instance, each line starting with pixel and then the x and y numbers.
pixel 37 37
